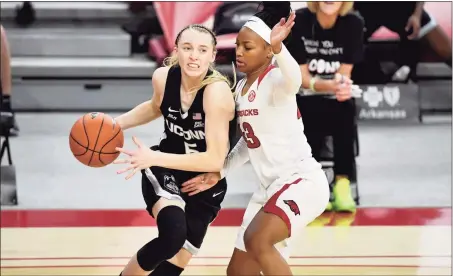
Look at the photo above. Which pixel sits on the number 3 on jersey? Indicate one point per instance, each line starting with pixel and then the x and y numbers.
pixel 249 136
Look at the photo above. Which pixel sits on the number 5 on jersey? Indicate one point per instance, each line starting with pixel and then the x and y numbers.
pixel 190 148
pixel 249 136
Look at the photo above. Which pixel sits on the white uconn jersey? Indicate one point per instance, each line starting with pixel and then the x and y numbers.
pixel 273 132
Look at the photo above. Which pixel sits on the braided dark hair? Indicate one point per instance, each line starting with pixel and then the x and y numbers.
pixel 272 11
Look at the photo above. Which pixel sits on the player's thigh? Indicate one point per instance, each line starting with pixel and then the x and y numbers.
pixel 156 195
pixel 243 264
pixel 254 206
pixel 201 211
pixel 266 229
pixel 301 200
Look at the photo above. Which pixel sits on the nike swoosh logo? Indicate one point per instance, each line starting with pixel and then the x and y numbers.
pixel 216 194
pixel 171 110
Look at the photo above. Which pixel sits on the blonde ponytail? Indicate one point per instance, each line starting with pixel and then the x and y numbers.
pixel 171 60
pixel 215 76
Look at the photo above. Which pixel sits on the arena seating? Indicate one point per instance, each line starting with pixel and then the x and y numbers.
pixel 75 56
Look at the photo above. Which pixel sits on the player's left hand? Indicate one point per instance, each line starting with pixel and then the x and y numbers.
pixel 139 159
pixel 281 31
pixel 413 23
pixel 200 183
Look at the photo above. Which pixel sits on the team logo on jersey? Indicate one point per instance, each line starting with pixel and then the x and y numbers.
pixel 170 183
pixel 293 206
pixel 187 134
pixel 252 96
pixel 171 116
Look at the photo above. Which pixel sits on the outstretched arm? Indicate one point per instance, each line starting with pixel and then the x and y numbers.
pixel 287 80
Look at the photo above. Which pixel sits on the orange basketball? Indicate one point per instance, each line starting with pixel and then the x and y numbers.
pixel 93 139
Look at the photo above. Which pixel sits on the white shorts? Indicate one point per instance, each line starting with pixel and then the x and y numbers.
pixel 298 201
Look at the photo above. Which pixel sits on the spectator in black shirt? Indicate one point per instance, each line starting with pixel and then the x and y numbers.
pixel 327 42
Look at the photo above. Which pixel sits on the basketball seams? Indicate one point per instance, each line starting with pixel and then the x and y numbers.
pixel 87 149
pixel 111 139
pixel 78 143
pixel 97 138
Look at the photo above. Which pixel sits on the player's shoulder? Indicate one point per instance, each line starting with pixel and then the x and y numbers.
pixel 159 79
pixel 218 93
pixel 161 73
pixel 218 88
pixel 218 84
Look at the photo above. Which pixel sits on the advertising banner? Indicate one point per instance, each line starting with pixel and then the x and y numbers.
pixel 389 102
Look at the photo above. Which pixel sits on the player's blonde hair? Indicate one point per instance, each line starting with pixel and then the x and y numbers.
pixel 346 7
pixel 215 76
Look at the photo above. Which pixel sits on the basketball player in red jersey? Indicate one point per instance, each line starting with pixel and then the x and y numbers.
pixel 293 188
pixel 197 106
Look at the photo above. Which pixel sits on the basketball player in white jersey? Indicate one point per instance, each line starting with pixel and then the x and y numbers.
pixel 293 189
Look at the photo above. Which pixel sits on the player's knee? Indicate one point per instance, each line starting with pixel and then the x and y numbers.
pixel 171 223
pixel 172 226
pixel 257 243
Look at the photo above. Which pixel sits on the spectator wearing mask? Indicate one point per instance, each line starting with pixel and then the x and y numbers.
pixel 327 41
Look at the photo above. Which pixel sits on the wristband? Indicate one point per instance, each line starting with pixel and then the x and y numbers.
pixel 312 83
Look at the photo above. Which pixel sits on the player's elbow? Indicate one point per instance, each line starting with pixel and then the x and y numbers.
pixel 217 164
pixel 295 86
pixel 216 161
pixel 297 80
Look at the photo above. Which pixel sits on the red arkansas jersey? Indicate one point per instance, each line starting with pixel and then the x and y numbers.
pixel 272 128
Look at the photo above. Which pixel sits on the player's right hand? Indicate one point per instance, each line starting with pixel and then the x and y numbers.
pixel 200 183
